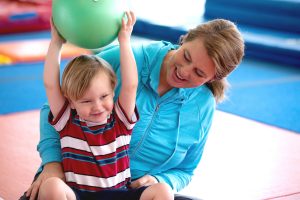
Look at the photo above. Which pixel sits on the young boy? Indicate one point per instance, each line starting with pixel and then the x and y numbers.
pixel 94 131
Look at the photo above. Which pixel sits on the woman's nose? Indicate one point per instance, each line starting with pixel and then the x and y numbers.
pixel 185 71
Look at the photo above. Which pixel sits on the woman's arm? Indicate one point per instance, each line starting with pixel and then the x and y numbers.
pixel 49 149
pixel 53 169
pixel 49 144
pixel 195 130
pixel 181 176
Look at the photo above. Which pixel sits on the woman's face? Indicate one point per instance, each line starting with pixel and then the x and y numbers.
pixel 190 66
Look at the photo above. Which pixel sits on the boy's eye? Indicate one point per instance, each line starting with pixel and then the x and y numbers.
pixel 104 96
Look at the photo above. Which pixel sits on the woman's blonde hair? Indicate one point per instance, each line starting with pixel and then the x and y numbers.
pixel 225 45
pixel 80 71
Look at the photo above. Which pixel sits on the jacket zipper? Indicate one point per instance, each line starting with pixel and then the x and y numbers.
pixel 149 125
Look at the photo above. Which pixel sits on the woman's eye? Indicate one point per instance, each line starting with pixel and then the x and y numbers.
pixel 198 72
pixel 186 56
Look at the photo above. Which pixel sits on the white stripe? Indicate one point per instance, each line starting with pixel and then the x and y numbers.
pixel 123 118
pixel 63 119
pixel 74 143
pixel 96 150
pixel 98 182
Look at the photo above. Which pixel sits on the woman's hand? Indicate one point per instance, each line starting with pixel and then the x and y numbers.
pixel 144 181
pixel 53 169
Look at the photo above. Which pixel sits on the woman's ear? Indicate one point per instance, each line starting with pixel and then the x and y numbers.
pixel 211 80
pixel 181 39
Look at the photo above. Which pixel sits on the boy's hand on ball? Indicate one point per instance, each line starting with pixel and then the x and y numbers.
pixel 127 26
pixel 56 37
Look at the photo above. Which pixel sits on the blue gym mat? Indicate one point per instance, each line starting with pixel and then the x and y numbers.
pixel 21 87
pixel 265 92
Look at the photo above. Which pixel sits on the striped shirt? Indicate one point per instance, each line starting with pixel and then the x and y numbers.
pixel 95 157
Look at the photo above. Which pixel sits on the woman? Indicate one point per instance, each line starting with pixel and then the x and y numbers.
pixel 179 86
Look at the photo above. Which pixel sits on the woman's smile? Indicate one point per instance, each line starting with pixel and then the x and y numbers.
pixel 177 76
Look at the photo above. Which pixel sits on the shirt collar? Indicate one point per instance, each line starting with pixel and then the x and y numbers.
pixel 91 124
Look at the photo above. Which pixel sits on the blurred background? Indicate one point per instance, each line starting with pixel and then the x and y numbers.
pixel 266 87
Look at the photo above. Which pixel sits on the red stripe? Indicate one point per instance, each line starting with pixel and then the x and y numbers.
pixel 76 151
pixel 86 168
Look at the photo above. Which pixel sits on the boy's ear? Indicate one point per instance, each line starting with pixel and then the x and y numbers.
pixel 71 104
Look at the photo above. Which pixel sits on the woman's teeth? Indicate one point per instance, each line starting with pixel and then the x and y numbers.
pixel 179 76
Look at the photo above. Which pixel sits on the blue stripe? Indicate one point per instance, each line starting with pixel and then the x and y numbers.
pixel 124 187
pixel 86 129
pixel 91 159
pixel 113 159
pixel 79 157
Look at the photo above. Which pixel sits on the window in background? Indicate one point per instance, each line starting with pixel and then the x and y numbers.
pixel 169 12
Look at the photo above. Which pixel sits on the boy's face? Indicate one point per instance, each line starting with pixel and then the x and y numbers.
pixel 97 102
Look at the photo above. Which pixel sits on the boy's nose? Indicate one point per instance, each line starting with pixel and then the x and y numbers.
pixel 97 105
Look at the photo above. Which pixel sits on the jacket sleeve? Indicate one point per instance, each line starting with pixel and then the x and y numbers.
pixel 181 175
pixel 49 144
pixel 178 178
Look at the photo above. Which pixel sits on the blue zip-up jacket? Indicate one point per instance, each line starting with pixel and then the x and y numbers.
pixel 169 139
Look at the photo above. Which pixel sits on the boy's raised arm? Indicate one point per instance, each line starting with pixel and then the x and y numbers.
pixel 52 72
pixel 129 74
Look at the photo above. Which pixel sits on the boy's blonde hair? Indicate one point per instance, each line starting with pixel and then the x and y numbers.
pixel 225 45
pixel 80 71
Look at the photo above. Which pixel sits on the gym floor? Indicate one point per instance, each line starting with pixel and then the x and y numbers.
pixel 243 159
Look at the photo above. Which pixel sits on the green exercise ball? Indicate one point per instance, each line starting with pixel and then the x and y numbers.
pixel 89 24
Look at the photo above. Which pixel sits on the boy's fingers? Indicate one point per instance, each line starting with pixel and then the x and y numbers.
pixel 133 17
pixel 128 17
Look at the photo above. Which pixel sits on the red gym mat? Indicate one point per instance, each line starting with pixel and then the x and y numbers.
pixel 243 159
pixel 24 15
